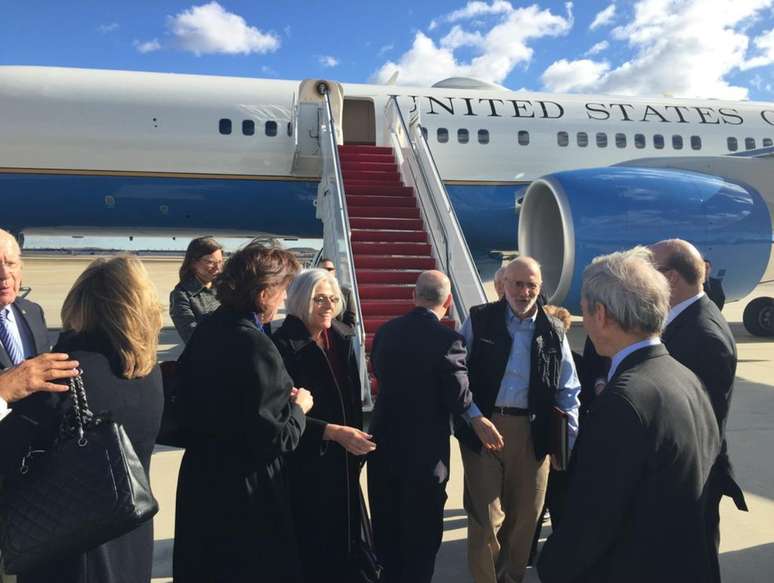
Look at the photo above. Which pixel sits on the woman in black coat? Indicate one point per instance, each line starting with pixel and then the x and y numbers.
pixel 318 352
pixel 111 319
pixel 242 415
pixel 194 295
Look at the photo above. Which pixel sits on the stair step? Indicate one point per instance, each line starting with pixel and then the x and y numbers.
pixel 366 157
pixel 360 188
pixel 390 212
pixel 367 165
pixel 375 200
pixel 366 276
pixel 369 342
pixel 388 308
pixel 388 262
pixel 377 236
pixel 363 149
pixel 396 224
pixel 390 248
pixel 381 177
pixel 373 324
pixel 381 291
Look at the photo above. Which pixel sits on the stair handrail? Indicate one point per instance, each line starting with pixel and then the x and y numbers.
pixel 342 250
pixel 465 294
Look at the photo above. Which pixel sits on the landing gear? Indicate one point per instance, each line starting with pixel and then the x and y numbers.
pixel 758 317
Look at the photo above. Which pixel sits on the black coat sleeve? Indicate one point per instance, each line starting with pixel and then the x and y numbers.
pixel 181 313
pixel 611 453
pixel 272 423
pixel 455 389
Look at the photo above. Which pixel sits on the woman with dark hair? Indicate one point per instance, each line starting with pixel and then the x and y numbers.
pixel 194 296
pixel 319 354
pixel 111 320
pixel 241 414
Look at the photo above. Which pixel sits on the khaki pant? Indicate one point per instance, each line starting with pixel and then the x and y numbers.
pixel 504 494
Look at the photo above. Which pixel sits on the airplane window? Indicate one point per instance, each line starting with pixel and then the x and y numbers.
pixel 562 138
pixel 696 142
pixel 290 129
pixel 483 136
pixel 601 140
pixel 732 144
pixel 677 142
pixel 658 141
pixel 749 143
pixel 271 128
pixel 524 138
pixel 639 141
pixel 443 135
pixel 767 143
pixel 463 136
pixel 248 127
pixel 582 139
pixel 224 125
pixel 620 140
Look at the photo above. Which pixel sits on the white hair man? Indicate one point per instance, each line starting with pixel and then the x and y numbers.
pixel 635 508
pixel 520 367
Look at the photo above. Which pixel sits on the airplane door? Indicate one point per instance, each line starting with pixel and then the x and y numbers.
pixel 359 122
pixel 306 124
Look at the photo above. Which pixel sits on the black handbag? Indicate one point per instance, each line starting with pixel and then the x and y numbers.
pixel 87 489
pixel 171 432
pixel 364 564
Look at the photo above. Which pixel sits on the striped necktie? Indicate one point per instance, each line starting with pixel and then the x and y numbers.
pixel 9 340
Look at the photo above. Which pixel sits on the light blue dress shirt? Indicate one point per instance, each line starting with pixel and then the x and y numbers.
pixel 623 353
pixel 514 387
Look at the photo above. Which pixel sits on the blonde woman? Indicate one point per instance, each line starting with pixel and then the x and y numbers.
pixel 111 320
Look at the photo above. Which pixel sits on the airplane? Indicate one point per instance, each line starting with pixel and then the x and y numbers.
pixel 106 151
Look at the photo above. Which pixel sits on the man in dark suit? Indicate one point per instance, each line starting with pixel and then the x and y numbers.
pixel 699 337
pixel 423 380
pixel 636 504
pixel 23 330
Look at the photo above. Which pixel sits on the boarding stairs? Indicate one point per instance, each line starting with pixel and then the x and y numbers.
pixel 386 218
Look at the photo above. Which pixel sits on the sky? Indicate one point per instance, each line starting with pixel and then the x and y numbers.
pixel 720 49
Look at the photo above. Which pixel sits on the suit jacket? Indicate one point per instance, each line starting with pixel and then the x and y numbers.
pixel 423 380
pixel 30 315
pixel 700 338
pixel 637 499
pixel 17 429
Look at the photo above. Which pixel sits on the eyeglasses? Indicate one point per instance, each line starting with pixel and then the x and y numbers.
pixel 329 268
pixel 210 264
pixel 321 300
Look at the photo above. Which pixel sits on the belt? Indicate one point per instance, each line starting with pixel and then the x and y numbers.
pixel 513 411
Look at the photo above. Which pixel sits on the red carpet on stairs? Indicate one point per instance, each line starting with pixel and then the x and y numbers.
pixel 389 242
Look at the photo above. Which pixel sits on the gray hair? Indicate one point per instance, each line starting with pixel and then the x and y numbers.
pixel 5 236
pixel 630 288
pixel 301 292
pixel 433 287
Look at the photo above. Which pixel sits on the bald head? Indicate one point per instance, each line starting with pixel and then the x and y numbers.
pixel 523 281
pixel 8 240
pixel 682 265
pixel 433 289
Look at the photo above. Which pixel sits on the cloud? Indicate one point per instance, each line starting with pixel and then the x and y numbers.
pixel 148 46
pixel 684 48
pixel 598 48
pixel 765 45
pixel 582 75
pixel 603 17
pixel 107 28
pixel 210 29
pixel 385 49
pixel 328 61
pixel 497 51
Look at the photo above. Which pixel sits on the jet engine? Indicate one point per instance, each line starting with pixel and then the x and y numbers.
pixel 568 218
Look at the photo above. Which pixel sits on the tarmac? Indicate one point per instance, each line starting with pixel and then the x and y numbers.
pixel 747 538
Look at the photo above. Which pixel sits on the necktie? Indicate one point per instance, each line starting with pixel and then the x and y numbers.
pixel 12 345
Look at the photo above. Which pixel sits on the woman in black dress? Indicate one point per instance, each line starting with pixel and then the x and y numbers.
pixel 111 320
pixel 242 414
pixel 194 295
pixel 318 352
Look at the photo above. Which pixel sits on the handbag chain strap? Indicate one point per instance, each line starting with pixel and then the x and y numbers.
pixel 82 412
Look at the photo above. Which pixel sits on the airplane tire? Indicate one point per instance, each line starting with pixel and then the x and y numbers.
pixel 758 317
